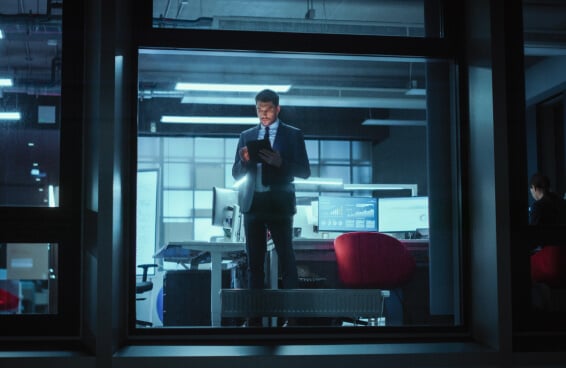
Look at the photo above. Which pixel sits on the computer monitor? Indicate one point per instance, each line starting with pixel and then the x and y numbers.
pixel 402 214
pixel 340 214
pixel 226 212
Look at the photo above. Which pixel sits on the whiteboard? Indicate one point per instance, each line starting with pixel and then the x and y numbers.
pixel 146 217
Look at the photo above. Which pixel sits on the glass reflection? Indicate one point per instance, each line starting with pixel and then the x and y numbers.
pixel 360 17
pixel 366 136
pixel 28 278
pixel 30 90
pixel 546 151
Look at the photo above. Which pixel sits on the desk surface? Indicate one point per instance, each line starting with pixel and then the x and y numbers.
pixel 186 250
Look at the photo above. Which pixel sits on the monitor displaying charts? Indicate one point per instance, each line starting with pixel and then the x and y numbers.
pixel 340 214
pixel 402 214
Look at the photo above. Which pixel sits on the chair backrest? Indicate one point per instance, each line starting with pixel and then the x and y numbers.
pixel 372 260
pixel 548 266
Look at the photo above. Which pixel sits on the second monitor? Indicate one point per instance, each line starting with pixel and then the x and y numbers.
pixel 402 214
pixel 226 213
pixel 342 214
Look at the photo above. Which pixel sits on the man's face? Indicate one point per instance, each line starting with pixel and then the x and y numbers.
pixel 267 112
pixel 535 193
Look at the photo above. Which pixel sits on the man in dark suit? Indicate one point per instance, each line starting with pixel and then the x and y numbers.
pixel 267 195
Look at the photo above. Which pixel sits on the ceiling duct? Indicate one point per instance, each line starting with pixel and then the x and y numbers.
pixel 317 26
pixel 294 26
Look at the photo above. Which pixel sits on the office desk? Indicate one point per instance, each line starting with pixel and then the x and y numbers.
pixel 217 250
pixel 323 249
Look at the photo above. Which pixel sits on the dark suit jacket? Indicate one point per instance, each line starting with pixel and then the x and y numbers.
pixel 290 143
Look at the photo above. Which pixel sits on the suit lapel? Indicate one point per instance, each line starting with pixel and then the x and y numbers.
pixel 279 137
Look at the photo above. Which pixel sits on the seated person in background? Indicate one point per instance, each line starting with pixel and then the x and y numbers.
pixel 548 262
pixel 549 208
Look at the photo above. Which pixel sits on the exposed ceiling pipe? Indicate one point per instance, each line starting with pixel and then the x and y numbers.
pixel 55 70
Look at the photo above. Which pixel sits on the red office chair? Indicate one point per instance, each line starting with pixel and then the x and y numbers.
pixel 373 260
pixel 548 266
pixel 9 298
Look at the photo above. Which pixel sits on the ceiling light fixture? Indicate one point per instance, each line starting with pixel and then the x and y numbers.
pixel 313 180
pixel 221 120
pixel 404 102
pixel 221 87
pixel 416 92
pixel 412 187
pixel 6 82
pixel 1 34
pixel 10 116
pixel 394 122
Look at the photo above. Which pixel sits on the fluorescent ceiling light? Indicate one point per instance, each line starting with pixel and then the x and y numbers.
pixel 405 102
pixel 226 120
pixel 6 82
pixel 313 180
pixel 395 122
pixel 10 116
pixel 1 34
pixel 221 87
pixel 412 187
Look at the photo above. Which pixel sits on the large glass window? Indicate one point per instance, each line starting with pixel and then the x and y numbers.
pixel 30 95
pixel 367 123
pixel 545 184
pixel 28 278
pixel 360 17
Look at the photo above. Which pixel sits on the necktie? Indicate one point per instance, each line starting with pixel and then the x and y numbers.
pixel 266 135
pixel 265 168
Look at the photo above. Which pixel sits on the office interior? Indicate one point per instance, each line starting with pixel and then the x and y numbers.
pixel 347 167
pixel 440 118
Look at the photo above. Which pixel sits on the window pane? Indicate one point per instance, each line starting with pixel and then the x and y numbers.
pixel 209 175
pixel 361 174
pixel 361 152
pixel 364 128
pixel 230 145
pixel 176 230
pixel 312 151
pixel 209 148
pixel 340 172
pixel 30 116
pixel 545 184
pixel 148 148
pixel 383 18
pixel 334 152
pixel 175 148
pixel 177 203
pixel 177 175
pixel 28 278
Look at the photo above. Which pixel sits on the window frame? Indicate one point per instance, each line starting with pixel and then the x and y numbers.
pixel 62 224
pixel 443 48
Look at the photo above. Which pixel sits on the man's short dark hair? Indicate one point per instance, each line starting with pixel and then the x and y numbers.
pixel 540 181
pixel 267 95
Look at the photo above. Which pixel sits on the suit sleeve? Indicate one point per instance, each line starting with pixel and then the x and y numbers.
pixel 239 168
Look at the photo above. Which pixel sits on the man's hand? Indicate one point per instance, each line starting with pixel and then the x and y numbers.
pixel 244 154
pixel 270 157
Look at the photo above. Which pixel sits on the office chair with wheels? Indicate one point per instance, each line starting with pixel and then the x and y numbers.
pixel 368 260
pixel 142 287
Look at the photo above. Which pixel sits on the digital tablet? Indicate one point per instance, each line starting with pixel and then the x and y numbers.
pixel 255 146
